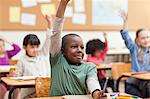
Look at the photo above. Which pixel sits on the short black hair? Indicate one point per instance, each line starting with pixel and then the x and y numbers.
pixel 93 45
pixel 64 39
pixel 31 39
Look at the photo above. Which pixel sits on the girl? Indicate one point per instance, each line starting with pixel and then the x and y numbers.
pixel 5 55
pixel 35 61
pixel 140 56
pixel 96 51
pixel 70 75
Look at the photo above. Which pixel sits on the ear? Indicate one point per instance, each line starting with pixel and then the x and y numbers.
pixel 24 47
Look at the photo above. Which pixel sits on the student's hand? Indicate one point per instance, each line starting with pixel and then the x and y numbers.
pixel 98 94
pixel 104 33
pixel 124 17
pixel 12 72
pixel 49 21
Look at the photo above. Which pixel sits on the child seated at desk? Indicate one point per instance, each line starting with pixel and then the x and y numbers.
pixel 5 55
pixel 96 51
pixel 70 74
pixel 140 57
pixel 35 61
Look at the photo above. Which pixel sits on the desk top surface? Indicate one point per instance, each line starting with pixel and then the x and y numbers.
pixel 108 96
pixel 139 75
pixel 13 82
pixel 103 67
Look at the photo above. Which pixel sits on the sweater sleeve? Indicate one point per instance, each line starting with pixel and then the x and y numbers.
pixel 19 68
pixel 56 37
pixel 92 80
pixel 46 46
pixel 127 39
pixel 16 49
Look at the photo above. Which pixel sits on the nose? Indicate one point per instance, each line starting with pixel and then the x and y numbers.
pixel 80 49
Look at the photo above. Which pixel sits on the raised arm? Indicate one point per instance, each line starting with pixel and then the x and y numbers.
pixel 103 54
pixel 16 49
pixel 124 17
pixel 124 32
pixel 58 25
pixel 46 46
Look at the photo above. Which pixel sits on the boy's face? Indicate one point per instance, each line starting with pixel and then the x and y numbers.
pixel 144 38
pixel 32 50
pixel 73 50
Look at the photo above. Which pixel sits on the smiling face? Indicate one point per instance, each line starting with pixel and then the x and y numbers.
pixel 143 38
pixel 73 49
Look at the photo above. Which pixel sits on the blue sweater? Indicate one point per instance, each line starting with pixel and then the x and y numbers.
pixel 137 64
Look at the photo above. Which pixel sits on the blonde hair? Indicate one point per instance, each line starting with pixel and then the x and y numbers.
pixel 140 50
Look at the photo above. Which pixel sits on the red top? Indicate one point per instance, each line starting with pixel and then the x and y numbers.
pixel 99 60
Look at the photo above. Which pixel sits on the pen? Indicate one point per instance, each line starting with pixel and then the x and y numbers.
pixel 105 85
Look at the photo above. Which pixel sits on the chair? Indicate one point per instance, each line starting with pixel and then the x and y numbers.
pixel 42 86
pixel 117 72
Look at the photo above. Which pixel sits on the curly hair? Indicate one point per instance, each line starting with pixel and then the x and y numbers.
pixel 93 45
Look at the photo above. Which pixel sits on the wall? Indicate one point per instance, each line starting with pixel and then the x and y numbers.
pixel 116 44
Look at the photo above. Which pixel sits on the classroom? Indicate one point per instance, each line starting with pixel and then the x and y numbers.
pixel 114 49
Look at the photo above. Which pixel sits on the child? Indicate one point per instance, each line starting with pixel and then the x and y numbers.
pixel 70 75
pixel 140 56
pixel 5 55
pixel 34 62
pixel 96 51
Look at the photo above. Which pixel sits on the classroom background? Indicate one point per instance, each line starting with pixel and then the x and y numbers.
pixel 88 18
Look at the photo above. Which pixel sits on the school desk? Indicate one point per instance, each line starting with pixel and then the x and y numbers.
pixel 18 83
pixel 5 69
pixel 101 67
pixel 108 96
pixel 138 75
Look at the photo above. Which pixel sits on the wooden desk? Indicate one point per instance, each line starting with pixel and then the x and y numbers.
pixel 85 96
pixel 5 69
pixel 138 75
pixel 141 75
pixel 67 97
pixel 103 67
pixel 17 84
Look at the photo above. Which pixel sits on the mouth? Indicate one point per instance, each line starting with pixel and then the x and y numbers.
pixel 79 56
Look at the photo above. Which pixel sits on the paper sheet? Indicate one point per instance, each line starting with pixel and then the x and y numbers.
pixel 29 3
pixel 79 5
pixel 79 18
pixel 28 19
pixel 48 9
pixel 14 14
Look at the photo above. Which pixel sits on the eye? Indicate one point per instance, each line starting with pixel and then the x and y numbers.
pixel 82 47
pixel 74 46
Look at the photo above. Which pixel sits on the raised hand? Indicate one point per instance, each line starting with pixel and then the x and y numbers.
pixel 49 21
pixel 104 33
pixel 124 17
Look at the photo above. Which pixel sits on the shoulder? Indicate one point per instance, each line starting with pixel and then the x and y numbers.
pixel 89 65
